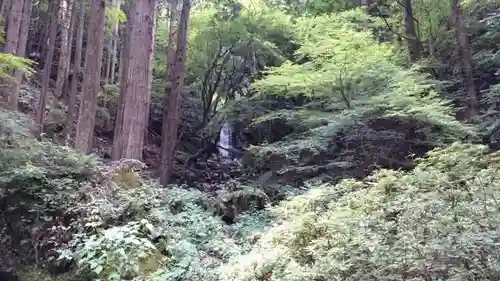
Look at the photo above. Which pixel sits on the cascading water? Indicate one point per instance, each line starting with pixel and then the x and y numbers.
pixel 225 141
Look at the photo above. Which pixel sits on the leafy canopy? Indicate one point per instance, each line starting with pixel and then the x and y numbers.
pixel 344 71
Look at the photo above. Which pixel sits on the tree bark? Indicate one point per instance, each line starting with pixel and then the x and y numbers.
pixel 107 65
pixel 172 102
pixel 65 11
pixel 464 50
pixel 40 113
pixel 15 18
pixel 122 78
pixel 120 59
pixel 91 79
pixel 21 51
pixel 11 42
pixel 411 36
pixel 72 26
pixel 123 46
pixel 73 94
pixel 41 44
pixel 114 46
pixel 4 12
pixel 166 161
pixel 134 98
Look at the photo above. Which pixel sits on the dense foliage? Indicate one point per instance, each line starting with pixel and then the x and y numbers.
pixel 357 163
pixel 437 222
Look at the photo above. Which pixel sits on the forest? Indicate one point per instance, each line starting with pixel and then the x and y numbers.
pixel 250 140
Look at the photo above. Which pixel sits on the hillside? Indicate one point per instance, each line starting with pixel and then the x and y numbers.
pixel 249 141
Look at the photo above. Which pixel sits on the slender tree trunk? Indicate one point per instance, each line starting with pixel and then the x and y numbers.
pixel 124 64
pixel 465 59
pixel 171 116
pixel 73 94
pixel 411 37
pixel 107 63
pixel 134 98
pixel 21 51
pixel 65 11
pixel 91 79
pixel 151 59
pixel 42 43
pixel 120 60
pixel 71 45
pixel 40 113
pixel 40 49
pixel 114 46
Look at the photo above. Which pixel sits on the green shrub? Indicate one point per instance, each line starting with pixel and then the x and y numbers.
pixel 120 252
pixel 148 233
pixel 438 222
pixel 38 185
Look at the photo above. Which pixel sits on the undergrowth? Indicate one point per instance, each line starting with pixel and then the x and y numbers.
pixel 437 222
pixel 429 219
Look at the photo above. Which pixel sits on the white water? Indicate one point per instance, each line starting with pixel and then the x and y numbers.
pixel 225 140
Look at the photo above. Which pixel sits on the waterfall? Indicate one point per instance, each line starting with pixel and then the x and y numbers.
pixel 225 141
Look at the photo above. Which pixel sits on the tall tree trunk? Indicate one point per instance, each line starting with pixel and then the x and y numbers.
pixel 110 50
pixel 134 98
pixel 172 102
pixel 42 41
pixel 123 46
pixel 166 161
pixel 40 113
pixel 65 11
pixel 122 78
pixel 71 45
pixel 107 64
pixel 411 36
pixel 120 60
pixel 15 18
pixel 40 46
pixel 465 59
pixel 21 51
pixel 77 73
pixel 114 46
pixel 12 39
pixel 4 11
pixel 91 79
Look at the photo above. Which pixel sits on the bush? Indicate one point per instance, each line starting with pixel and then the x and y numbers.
pixel 120 252
pixel 149 233
pixel 39 183
pixel 438 222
